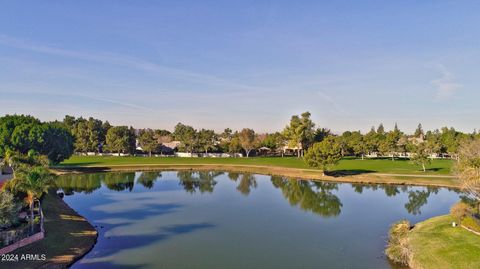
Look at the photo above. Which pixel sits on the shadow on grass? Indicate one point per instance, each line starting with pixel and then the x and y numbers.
pixel 80 169
pixel 68 236
pixel 349 172
pixel 436 169
pixel 75 164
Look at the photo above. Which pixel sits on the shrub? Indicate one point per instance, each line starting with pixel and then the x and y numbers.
pixel 398 249
pixel 323 154
pixel 460 210
pixel 471 223
pixel 8 209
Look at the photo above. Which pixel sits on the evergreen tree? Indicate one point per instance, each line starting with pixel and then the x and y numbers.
pixel 324 154
pixel 419 131
pixel 381 129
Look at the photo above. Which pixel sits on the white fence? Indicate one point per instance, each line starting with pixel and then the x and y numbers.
pixel 176 154
pixel 403 155
pixel 207 155
pixel 16 238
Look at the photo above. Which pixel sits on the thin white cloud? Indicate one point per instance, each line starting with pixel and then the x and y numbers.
pixel 446 86
pixel 128 61
pixel 111 101
pixel 52 96
pixel 335 105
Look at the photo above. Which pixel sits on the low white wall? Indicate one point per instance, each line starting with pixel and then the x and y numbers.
pixel 209 155
pixel 22 243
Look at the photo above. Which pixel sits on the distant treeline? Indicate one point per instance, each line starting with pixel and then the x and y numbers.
pixel 19 133
pixel 59 139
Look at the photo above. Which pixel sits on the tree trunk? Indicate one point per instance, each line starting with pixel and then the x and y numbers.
pixel 31 218
pixel 363 156
pixel 41 215
pixel 423 166
pixel 247 152
pixel 150 154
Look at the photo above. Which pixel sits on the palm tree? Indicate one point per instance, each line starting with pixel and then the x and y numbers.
pixel 16 160
pixel 33 181
pixel 12 159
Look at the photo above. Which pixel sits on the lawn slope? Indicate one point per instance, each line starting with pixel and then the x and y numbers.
pixel 438 167
pixel 68 236
pixel 436 244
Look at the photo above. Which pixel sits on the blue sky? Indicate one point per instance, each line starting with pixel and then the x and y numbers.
pixel 218 64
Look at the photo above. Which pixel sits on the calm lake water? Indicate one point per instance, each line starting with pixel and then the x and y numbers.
pixel 213 220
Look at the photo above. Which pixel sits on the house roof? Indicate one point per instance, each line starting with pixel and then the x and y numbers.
pixel 172 144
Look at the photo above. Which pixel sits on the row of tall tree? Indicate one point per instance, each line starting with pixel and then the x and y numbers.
pixel 93 135
pixel 298 135
pixel 22 134
pixel 205 140
pixel 90 134
pixel 445 141
pixel 55 139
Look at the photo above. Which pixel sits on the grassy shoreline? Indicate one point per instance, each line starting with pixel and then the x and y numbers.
pixel 68 237
pixel 358 166
pixel 436 244
pixel 381 171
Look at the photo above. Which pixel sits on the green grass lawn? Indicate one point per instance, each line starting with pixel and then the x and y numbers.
pixel 437 167
pixel 436 244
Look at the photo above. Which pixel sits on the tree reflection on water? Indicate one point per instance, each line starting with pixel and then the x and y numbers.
pixel 85 183
pixel 247 182
pixel 417 199
pixel 147 179
pixel 203 181
pixel 119 181
pixel 311 196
